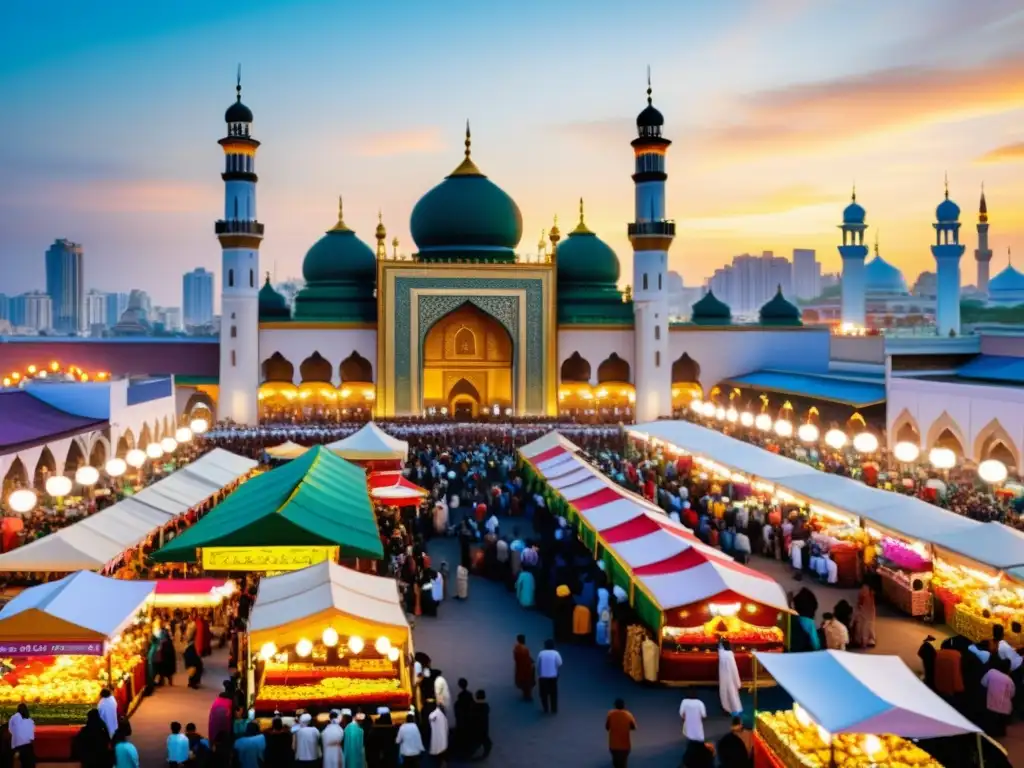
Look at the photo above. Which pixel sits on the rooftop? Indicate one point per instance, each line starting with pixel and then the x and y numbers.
pixel 26 421
pixel 858 391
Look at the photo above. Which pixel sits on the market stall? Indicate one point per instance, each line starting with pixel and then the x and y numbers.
pixel 300 513
pixel 62 642
pixel 687 594
pixel 394 489
pixel 328 636
pixel 286 451
pixel 851 710
pixel 191 593
pixel 373 448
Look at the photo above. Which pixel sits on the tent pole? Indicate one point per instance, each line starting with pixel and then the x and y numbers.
pixel 753 660
pixel 981 752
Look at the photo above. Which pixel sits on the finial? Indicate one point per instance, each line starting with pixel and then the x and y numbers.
pixel 268 277
pixel 946 183
pixel 238 83
pixel 1009 257
pixel 467 167
pixel 649 100
pixel 380 216
pixel 340 226
pixel 876 241
pixel 581 227
pixel 853 195
pixel 581 210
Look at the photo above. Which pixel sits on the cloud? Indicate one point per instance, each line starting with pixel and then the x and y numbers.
pixel 778 201
pixel 1008 153
pixel 414 141
pixel 139 197
pixel 805 117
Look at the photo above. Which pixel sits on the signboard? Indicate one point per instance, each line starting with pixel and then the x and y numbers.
pixel 264 558
pixel 70 648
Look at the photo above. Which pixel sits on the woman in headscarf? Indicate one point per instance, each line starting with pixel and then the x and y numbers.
pixel 525 587
pixel 355 749
pixel 92 743
pixel 168 664
pixel 863 635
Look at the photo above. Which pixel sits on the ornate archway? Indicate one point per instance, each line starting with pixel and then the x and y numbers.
pixel 464 401
pixel 315 369
pixel 613 369
pixel 994 442
pixel 355 368
pixel 905 430
pixel 16 477
pixel 575 370
pixel 99 452
pixel 685 382
pixel 125 443
pixel 945 433
pixel 45 467
pixel 145 437
pixel 75 457
pixel 277 368
pixel 470 354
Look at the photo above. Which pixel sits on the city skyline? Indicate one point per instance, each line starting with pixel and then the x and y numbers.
pixel 765 149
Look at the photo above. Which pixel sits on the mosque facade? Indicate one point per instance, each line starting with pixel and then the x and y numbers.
pixel 467 326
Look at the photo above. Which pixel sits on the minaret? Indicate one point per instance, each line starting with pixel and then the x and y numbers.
pixel 853 252
pixel 983 254
pixel 382 236
pixel 542 248
pixel 651 235
pixel 947 252
pixel 554 235
pixel 240 235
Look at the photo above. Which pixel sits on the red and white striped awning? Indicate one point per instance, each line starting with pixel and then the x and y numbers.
pixel 552 444
pixel 665 557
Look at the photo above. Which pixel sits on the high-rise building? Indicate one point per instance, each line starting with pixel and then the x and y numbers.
pixel 806 274
pixel 750 281
pixel 32 310
pixel 168 317
pixel 95 309
pixel 197 297
pixel 117 303
pixel 5 307
pixel 65 285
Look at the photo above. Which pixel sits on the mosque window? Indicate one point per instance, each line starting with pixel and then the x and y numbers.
pixel 657 333
pixel 234 331
pixel 657 359
pixel 645 281
pixel 659 281
pixel 252 279
pixel 231 278
pixel 234 360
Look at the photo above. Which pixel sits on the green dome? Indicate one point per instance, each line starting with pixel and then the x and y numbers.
pixel 584 258
pixel 778 311
pixel 339 257
pixel 466 216
pixel 711 311
pixel 272 305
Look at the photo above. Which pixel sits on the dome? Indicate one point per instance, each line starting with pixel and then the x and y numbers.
pixel 272 305
pixel 778 311
pixel 584 258
pixel 238 112
pixel 650 117
pixel 947 210
pixel 710 311
pixel 339 257
pixel 854 213
pixel 1010 280
pixel 466 216
pixel 882 277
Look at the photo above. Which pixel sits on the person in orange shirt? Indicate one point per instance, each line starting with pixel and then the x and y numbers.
pixel 620 725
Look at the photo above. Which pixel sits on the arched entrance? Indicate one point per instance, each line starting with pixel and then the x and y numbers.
pixel 467 364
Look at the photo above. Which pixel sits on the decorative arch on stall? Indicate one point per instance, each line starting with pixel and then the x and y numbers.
pixel 355 368
pixel 316 389
pixel 994 442
pixel 45 467
pixel 200 406
pixel 575 395
pixel 76 456
pixel 685 382
pixel 613 369
pixel 905 429
pixel 614 389
pixel 99 452
pixel 315 369
pixel 145 437
pixel 277 393
pixel 946 433
pixel 125 443
pixel 16 477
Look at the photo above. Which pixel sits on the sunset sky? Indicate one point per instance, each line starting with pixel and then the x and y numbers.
pixel 111 114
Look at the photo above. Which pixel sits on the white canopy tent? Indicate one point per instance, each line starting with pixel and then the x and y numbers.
pixel 901 514
pixel 553 439
pixel 371 443
pixel 93 542
pixel 303 603
pixel 856 693
pixel 993 544
pixel 82 606
pixel 287 450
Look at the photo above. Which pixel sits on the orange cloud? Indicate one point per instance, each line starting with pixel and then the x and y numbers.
pixel 782 200
pixel 1008 153
pixel 414 141
pixel 805 117
pixel 138 196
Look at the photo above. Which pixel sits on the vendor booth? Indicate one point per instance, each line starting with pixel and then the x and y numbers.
pixel 286 451
pixel 62 642
pixel 191 593
pixel 373 448
pixel 328 636
pixel 687 594
pixel 301 513
pixel 393 489
pixel 851 710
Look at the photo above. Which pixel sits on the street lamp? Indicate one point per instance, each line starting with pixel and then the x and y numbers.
pixel 747 419
pixel 942 458
pixel 87 475
pixel 169 444
pixel 154 451
pixel 183 435
pixel 835 438
pixel 865 442
pixel 117 467
pixel 992 471
pixel 22 500
pixel 763 422
pixel 906 453
pixel 198 426
pixel 135 458
pixel 808 433
pixel 784 428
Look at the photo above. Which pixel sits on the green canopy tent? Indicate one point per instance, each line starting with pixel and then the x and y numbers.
pixel 318 499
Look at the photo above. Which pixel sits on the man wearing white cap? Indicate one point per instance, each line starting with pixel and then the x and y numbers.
pixel 306 743
pixel 331 740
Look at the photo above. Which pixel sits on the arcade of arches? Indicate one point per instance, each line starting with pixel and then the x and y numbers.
pixel 611 399
pixel 316 398
pixel 467 364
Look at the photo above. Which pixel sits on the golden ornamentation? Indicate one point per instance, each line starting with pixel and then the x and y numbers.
pixel 467 167
pixel 581 228
pixel 340 226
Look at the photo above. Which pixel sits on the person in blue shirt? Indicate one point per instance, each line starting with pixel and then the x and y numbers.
pixel 177 747
pixel 251 748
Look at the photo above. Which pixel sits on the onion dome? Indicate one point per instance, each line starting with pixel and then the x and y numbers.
pixel 947 211
pixel 272 305
pixel 339 256
pixel 778 311
pixel 854 213
pixel 710 311
pixel 881 277
pixel 1010 280
pixel 238 112
pixel 466 217
pixel 584 258
pixel 649 117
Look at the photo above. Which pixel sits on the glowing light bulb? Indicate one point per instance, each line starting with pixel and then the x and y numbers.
pixel 330 637
pixel 382 646
pixel 356 644
pixel 267 651
pixel 303 648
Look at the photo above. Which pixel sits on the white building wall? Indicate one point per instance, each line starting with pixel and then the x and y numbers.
pixel 596 346
pixel 333 344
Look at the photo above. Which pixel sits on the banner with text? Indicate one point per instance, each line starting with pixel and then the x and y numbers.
pixel 264 558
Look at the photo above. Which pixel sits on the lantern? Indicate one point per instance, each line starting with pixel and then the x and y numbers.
pixel 865 442
pixel 356 644
pixel 183 435
pixel 87 475
pixel 169 444
pixel 22 500
pixel 783 428
pixel 330 637
pixel 835 438
pixel 58 486
pixel 708 409
pixel 906 453
pixel 942 458
pixel 116 467
pixel 731 415
pixel 154 451
pixel 992 471
pixel 303 648
pixel 382 646
pixel 267 651
pixel 198 426
pixel 808 433
pixel 135 458
pixel 763 422
pixel 393 654
pixel 747 419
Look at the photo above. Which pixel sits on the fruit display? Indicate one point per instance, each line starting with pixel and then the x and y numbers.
pixel 739 633
pixel 62 679
pixel 981 602
pixel 345 688
pixel 798 743
pixel 371 665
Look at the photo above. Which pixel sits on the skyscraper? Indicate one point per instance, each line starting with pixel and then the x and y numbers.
pixel 117 303
pixel 66 286
pixel 197 297
pixel 750 281
pixel 806 274
pixel 32 310
pixel 95 309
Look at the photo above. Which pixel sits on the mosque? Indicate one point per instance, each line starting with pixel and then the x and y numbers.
pixel 467 326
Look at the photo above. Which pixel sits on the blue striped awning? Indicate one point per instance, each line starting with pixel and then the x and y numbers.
pixel 858 393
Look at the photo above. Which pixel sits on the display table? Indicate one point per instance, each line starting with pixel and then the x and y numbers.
pixel 679 667
pixel 898 588
pixel 848 565
pixel 763 755
pixel 976 627
pixel 396 701
pixel 947 601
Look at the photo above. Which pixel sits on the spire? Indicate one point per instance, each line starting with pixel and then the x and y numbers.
pixel 340 226
pixel 467 167
pixel 650 101
pixel 876 242
pixel 853 194
pixel 268 277
pixel 581 228
pixel 946 184
pixel 238 83
pixel 382 233
pixel 982 207
pixel 394 249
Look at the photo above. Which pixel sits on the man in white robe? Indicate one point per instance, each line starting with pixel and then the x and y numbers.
pixel 728 679
pixel 330 742
pixel 440 517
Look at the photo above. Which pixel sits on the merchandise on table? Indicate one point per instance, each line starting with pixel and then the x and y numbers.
pixel 975 601
pixel 796 742
pixel 910 592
